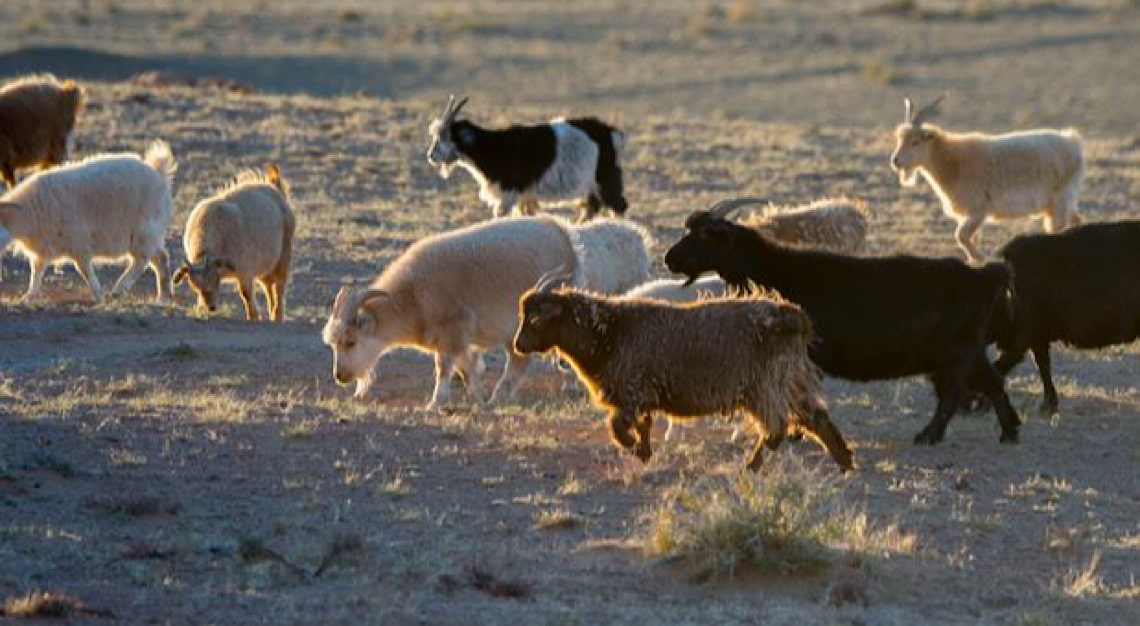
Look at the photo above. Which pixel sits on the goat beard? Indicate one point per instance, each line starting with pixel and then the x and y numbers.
pixel 908 177
pixel 445 170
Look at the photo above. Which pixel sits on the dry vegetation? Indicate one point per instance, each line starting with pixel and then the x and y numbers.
pixel 177 468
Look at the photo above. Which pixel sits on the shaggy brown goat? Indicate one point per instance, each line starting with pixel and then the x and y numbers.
pixel 686 360
pixel 37 114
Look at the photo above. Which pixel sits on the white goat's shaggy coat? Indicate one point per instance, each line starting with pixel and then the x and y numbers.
pixel 675 289
pixel 833 224
pixel 449 294
pixel 105 207
pixel 981 177
pixel 613 254
pixel 244 233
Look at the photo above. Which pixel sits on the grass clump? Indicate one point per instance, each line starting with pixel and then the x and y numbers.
pixel 791 518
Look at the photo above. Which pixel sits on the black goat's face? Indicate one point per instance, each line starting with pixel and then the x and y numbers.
pixel 442 151
pixel 703 249
pixel 540 316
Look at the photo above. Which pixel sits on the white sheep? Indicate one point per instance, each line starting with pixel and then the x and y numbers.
pixel 832 224
pixel 243 233
pixel 448 294
pixel 995 177
pixel 37 115
pixel 105 207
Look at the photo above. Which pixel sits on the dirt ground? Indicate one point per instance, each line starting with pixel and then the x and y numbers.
pixel 178 469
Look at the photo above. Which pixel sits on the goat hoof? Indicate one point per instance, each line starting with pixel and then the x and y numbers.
pixel 1047 409
pixel 1009 438
pixel 644 453
pixel 926 438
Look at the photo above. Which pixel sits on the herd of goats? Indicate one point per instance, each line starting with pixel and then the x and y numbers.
pixel 792 298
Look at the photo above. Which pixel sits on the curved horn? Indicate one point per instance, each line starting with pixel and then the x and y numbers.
pixel 927 111
pixel 369 294
pixel 555 277
pixel 458 107
pixel 342 298
pixel 721 209
pixel 447 107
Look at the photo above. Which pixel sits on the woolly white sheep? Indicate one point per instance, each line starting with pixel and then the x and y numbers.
pixel 996 177
pixel 105 207
pixel 37 115
pixel 448 294
pixel 243 233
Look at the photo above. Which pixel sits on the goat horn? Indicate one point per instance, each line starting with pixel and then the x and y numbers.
pixel 553 278
pixel 368 295
pixel 342 298
pixel 458 107
pixel 908 105
pixel 721 209
pixel 927 111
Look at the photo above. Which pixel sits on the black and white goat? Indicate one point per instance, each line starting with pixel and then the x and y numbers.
pixel 564 160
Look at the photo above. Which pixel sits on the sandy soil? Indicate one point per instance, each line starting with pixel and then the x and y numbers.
pixel 176 469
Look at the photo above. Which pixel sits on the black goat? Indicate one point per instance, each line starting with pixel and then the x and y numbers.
pixel 875 318
pixel 1080 286
pixel 572 159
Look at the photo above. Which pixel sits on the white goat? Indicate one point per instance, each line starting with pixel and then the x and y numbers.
pixel 243 233
pixel 679 289
pixel 105 207
pixel 979 177
pixel 448 294
pixel 832 224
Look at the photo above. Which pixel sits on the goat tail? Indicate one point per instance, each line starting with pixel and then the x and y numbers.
pixel 74 97
pixel 273 175
pixel 161 159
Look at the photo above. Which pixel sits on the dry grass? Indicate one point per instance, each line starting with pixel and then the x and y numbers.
pixel 790 518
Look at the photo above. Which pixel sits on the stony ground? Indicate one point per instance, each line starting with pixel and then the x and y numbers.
pixel 177 469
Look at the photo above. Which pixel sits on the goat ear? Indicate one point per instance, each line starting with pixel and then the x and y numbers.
pixel 465 136
pixel 548 309
pixel 180 274
pixel 365 322
pixel 717 229
pixel 8 208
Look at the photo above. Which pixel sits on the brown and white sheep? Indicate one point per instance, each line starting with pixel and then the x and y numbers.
pixel 244 233
pixel 832 224
pixel 449 294
pixel 688 360
pixel 37 115
pixel 981 177
pixel 108 206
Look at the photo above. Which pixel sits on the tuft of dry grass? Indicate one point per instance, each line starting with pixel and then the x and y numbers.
pixel 1083 581
pixel 48 604
pixel 791 518
pixel 557 519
